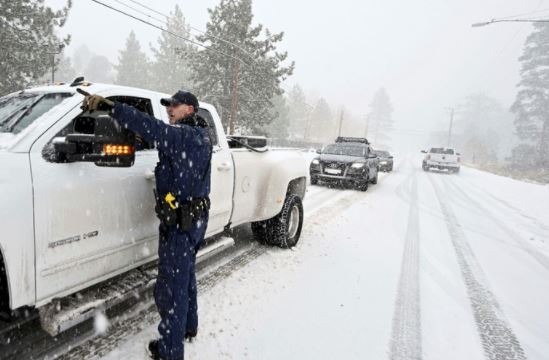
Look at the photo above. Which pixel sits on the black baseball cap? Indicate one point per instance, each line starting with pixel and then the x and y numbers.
pixel 181 97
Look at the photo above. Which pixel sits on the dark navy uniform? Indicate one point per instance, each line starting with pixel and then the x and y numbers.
pixel 184 151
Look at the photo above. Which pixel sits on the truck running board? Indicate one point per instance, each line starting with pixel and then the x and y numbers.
pixel 62 314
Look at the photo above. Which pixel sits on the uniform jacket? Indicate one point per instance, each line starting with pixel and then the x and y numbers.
pixel 184 151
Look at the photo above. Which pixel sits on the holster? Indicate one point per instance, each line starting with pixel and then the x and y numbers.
pixel 164 212
pixel 184 215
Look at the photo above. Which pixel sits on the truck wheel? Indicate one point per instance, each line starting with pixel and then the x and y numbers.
pixel 425 167
pixel 362 186
pixel 284 229
pixel 259 229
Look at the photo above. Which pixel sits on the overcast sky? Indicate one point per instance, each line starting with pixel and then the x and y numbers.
pixel 424 52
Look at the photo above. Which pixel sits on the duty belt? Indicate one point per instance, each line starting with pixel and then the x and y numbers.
pixel 171 213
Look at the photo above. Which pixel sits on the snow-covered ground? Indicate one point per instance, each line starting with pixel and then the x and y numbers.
pixel 423 265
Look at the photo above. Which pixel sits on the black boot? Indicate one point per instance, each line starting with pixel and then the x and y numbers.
pixel 152 350
pixel 190 335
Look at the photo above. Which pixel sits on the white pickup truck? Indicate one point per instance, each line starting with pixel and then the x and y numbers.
pixel 442 159
pixel 67 224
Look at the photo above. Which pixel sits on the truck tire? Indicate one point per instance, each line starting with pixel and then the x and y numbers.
pixel 362 186
pixel 284 229
pixel 425 167
pixel 374 180
pixel 4 292
pixel 259 229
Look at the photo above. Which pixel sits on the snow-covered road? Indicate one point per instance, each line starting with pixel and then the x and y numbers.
pixel 422 266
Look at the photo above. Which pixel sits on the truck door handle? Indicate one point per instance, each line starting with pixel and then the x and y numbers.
pixel 149 175
pixel 224 166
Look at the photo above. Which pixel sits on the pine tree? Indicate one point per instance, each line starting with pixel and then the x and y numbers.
pixel 380 121
pixel 482 119
pixel 171 70
pixel 99 70
pixel 27 39
pixel 299 112
pixel 531 106
pixel 278 128
pixel 241 71
pixel 133 66
pixel 321 125
pixel 64 71
pixel 81 58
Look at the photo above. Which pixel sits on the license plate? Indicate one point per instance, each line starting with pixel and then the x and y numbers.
pixel 332 171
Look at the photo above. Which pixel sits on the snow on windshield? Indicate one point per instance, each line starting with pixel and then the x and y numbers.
pixel 18 114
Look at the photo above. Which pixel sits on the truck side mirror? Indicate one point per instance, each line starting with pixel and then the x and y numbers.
pixel 98 138
pixel 318 151
pixel 372 156
pixel 423 151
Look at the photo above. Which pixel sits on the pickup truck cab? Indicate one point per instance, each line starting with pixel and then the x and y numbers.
pixel 348 161
pixel 441 158
pixel 72 219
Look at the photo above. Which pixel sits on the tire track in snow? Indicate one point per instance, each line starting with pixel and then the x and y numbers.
pixel 406 332
pixel 498 339
pixel 506 204
pixel 542 259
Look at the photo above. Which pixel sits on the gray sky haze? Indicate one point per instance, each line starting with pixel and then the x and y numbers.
pixel 424 52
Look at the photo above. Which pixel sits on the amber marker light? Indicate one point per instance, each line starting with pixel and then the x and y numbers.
pixel 113 149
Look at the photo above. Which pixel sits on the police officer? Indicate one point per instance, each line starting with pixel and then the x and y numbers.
pixel 182 190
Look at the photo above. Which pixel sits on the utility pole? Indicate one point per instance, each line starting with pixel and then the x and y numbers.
pixel 451 124
pixel 53 53
pixel 234 99
pixel 340 122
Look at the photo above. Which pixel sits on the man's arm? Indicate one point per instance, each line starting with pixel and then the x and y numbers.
pixel 150 128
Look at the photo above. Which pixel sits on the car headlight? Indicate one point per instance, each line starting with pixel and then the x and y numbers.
pixel 383 162
pixel 357 165
pixel 315 162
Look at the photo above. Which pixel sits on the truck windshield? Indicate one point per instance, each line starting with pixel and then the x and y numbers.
pixel 345 149
pixel 20 110
pixel 442 151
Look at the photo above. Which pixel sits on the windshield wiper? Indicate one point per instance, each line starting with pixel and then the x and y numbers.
pixel 6 125
pixel 9 127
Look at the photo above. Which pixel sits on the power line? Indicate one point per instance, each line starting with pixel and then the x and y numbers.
pixel 525 14
pixel 252 66
pixel 148 8
pixel 140 12
pixel 190 26
pixel 490 64
pixel 167 31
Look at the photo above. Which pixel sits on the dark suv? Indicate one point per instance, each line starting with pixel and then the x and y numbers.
pixel 385 160
pixel 348 161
